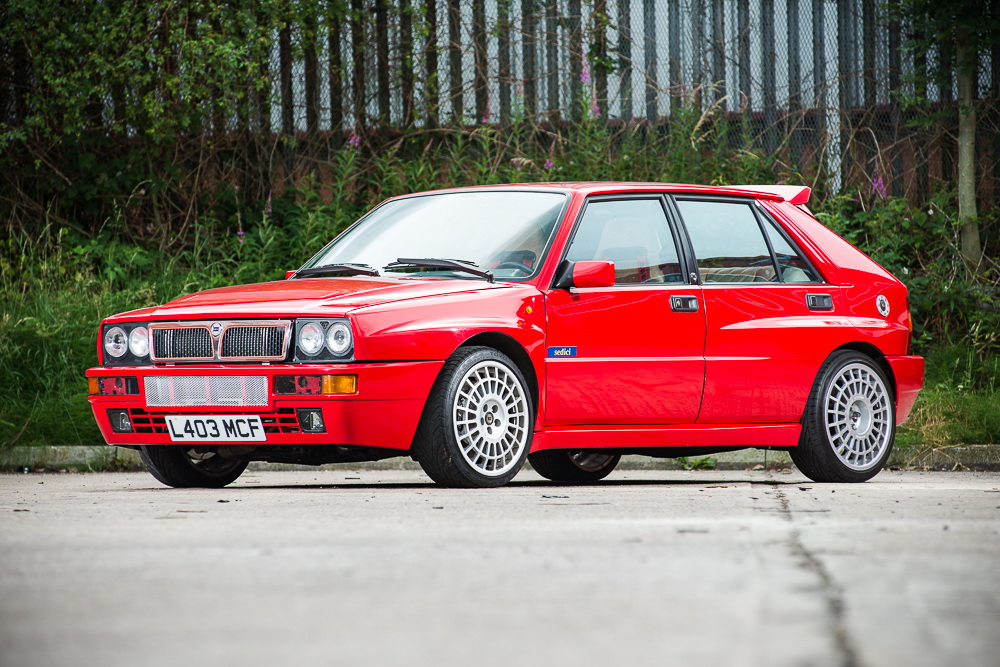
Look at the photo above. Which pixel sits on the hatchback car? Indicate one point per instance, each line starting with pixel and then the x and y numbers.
pixel 565 324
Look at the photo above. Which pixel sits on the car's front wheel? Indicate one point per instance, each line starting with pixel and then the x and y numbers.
pixel 477 425
pixel 186 467
pixel 849 424
pixel 573 466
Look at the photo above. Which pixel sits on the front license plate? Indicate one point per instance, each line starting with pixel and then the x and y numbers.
pixel 237 428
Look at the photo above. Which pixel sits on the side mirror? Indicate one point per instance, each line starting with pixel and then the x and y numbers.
pixel 586 274
pixel 289 274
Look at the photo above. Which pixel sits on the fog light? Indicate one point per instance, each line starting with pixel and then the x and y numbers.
pixel 311 420
pixel 340 384
pixel 124 386
pixel 120 422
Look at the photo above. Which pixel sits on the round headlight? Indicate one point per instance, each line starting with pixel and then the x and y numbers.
pixel 115 342
pixel 338 338
pixel 311 339
pixel 138 342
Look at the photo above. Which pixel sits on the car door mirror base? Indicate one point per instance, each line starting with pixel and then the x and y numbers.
pixel 585 274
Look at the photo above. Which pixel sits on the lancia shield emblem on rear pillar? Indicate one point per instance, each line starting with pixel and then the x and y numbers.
pixel 216 329
pixel 882 304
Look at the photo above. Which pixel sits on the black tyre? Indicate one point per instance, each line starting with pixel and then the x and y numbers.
pixel 182 467
pixel 477 425
pixel 849 423
pixel 573 466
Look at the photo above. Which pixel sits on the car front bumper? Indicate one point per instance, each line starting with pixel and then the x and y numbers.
pixel 383 412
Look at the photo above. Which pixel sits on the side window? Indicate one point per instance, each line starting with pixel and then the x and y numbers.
pixel 793 268
pixel 728 243
pixel 632 233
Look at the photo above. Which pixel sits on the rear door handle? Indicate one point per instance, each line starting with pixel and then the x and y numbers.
pixel 819 301
pixel 683 303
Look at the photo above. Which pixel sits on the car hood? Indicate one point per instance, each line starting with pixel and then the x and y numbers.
pixel 320 296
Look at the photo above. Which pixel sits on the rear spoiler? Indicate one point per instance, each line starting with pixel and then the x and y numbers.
pixel 793 194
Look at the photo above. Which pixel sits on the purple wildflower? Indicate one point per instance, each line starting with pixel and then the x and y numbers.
pixel 354 141
pixel 549 164
pixel 879 187
pixel 595 110
pixel 585 76
pixel 240 234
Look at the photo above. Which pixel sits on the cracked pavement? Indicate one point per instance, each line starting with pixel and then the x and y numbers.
pixel 380 567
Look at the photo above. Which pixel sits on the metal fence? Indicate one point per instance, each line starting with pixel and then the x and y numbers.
pixel 819 83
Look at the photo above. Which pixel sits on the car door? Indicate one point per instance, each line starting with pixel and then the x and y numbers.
pixel 631 353
pixel 771 317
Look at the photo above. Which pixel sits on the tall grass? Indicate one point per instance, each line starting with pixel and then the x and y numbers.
pixel 56 287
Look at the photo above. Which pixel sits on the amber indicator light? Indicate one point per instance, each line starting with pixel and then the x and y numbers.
pixel 340 384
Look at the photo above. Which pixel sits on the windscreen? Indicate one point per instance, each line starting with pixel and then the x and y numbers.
pixel 504 232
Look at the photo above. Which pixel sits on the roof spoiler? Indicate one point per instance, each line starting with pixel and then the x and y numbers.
pixel 793 194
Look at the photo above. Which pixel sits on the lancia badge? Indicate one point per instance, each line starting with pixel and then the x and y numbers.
pixel 217 328
pixel 882 304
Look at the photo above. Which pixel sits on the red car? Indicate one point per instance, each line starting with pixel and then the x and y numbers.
pixel 565 323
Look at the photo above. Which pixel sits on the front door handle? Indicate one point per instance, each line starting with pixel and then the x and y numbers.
pixel 683 303
pixel 819 301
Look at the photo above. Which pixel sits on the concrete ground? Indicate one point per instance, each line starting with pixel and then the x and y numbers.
pixel 379 567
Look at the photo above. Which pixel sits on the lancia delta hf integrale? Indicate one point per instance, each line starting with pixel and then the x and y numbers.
pixel 566 324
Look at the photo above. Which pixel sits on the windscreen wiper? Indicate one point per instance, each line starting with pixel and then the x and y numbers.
pixel 346 268
pixel 435 263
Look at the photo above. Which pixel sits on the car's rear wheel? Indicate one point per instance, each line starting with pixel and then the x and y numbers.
pixel 187 467
pixel 573 466
pixel 849 424
pixel 476 428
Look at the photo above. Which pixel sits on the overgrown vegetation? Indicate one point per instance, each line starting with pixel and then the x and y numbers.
pixel 57 285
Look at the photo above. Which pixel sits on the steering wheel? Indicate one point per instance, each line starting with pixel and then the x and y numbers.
pixel 525 270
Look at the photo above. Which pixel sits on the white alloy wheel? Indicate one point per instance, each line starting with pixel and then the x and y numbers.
pixel 858 416
pixel 490 418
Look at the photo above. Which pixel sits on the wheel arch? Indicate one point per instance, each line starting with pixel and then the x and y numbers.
pixel 513 349
pixel 877 356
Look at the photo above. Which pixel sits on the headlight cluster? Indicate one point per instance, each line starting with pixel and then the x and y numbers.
pixel 126 344
pixel 323 340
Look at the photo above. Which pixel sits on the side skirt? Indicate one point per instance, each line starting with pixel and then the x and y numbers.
pixel 714 436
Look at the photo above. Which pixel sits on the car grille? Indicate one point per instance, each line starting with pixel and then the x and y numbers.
pixel 175 391
pixel 184 343
pixel 250 340
pixel 246 342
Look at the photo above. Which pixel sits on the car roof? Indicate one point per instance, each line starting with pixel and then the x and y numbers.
pixel 794 194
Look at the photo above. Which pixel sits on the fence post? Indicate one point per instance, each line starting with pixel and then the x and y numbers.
pixel 382 60
pixel 921 156
pixel 649 38
pixel 793 121
pixel 503 57
pixel 455 61
pixel 625 55
pixel 769 80
pixel 479 61
pixel 743 55
pixel 285 86
pixel 895 117
pixel 719 50
pixel 674 72
pixel 529 21
pixel 819 83
pixel 358 17
pixel 697 51
pixel 599 48
pixel 845 71
pixel 311 76
pixel 574 10
pixel 406 60
pixel 432 86
pixel 336 74
pixel 552 60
